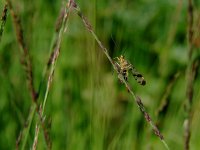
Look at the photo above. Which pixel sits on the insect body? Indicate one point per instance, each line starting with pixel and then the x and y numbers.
pixel 124 67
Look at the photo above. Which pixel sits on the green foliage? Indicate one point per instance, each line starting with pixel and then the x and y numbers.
pixel 88 107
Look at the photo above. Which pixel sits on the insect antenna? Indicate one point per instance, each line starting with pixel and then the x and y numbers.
pixel 115 44
pixel 118 47
pixel 116 64
pixel 124 52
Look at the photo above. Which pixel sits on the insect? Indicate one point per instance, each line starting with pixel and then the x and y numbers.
pixel 124 67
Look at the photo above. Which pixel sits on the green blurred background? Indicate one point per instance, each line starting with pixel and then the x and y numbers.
pixel 88 107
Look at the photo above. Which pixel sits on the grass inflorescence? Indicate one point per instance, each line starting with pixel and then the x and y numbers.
pixel 51 65
pixel 3 19
pixel 191 74
pixel 27 65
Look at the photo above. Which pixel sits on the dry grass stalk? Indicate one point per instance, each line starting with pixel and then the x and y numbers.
pixel 34 147
pixel 25 58
pixel 27 65
pixel 120 76
pixel 190 75
pixel 3 19
pixel 51 65
pixel 60 30
pixel 190 28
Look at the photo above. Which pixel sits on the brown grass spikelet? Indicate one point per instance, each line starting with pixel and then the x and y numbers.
pixel 3 19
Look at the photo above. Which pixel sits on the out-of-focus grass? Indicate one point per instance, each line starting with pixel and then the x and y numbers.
pixel 88 106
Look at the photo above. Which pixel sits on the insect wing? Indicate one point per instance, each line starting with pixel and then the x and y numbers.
pixel 138 76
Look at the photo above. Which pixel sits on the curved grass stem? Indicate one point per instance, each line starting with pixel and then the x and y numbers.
pixel 52 65
pixel 105 51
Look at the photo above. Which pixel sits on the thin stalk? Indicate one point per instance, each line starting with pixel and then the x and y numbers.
pixel 25 58
pixel 46 73
pixel 52 65
pixel 105 51
pixel 27 128
pixel 27 65
pixel 190 75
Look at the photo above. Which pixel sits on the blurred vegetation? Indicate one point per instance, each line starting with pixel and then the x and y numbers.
pixel 87 106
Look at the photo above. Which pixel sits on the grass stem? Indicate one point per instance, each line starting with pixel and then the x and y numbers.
pixel 190 77
pixel 27 65
pixel 105 51
pixel 60 29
